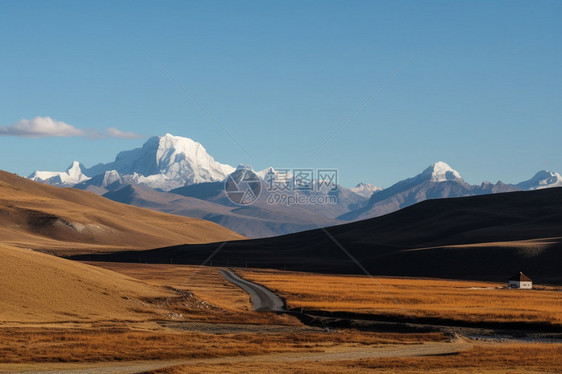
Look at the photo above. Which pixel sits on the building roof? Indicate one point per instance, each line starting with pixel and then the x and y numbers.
pixel 520 278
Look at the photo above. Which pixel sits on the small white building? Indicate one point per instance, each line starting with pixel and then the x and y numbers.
pixel 520 281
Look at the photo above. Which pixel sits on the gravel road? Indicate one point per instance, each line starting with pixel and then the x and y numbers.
pixel 263 300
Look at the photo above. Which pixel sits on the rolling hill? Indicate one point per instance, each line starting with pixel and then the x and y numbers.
pixel 37 287
pixel 479 237
pixel 69 221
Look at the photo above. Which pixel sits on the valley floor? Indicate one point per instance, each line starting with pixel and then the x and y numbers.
pixel 194 321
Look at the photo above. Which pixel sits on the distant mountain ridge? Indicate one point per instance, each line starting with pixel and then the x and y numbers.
pixel 486 237
pixel 181 166
pixel 436 182
pixel 365 189
pixel 543 179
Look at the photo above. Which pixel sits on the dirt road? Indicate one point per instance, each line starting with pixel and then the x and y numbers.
pixel 263 300
pixel 329 354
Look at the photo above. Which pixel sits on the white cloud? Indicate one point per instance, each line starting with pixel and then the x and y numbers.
pixel 41 127
pixel 44 127
pixel 116 133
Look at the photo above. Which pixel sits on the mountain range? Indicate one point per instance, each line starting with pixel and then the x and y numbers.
pixel 486 237
pixel 176 175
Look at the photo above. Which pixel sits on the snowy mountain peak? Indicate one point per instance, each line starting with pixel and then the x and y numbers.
pixel 441 172
pixel 169 162
pixel 74 166
pixel 180 145
pixel 164 163
pixel 70 177
pixel 111 177
pixel 543 179
pixel 267 173
pixel 75 170
pixel 365 189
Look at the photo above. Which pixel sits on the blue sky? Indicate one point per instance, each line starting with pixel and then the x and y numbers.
pixel 479 83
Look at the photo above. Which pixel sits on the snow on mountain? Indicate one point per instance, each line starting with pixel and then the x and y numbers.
pixel 110 177
pixel 489 188
pixel 441 172
pixel 183 166
pixel 70 177
pixel 104 182
pixel 185 158
pixel 162 163
pixel 439 180
pixel 365 189
pixel 543 179
pixel 168 162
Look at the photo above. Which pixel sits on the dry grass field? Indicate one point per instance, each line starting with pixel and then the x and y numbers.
pixel 114 344
pixel 220 300
pixel 58 312
pixel 449 299
pixel 515 358
pixel 55 310
pixel 66 221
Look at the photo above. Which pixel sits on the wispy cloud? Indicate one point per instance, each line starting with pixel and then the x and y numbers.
pixel 116 133
pixel 46 127
pixel 41 127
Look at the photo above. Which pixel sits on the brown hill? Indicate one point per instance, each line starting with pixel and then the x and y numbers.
pixel 41 288
pixel 69 221
pixel 480 237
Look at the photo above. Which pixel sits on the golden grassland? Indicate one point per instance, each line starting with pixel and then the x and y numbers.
pixel 67 221
pixel 514 358
pixel 450 299
pixel 39 288
pixel 221 301
pixel 60 311
pixel 63 311
pixel 204 282
pixel 109 343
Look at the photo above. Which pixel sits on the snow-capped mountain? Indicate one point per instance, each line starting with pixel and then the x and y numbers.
pixel 68 178
pixel 440 181
pixel 163 163
pixel 441 172
pixel 110 177
pixel 365 189
pixel 181 166
pixel 437 181
pixel 543 179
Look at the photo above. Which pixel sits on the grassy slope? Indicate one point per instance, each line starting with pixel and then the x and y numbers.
pixel 64 221
pixel 38 287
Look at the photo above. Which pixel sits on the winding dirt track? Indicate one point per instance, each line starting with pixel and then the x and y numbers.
pixel 329 354
pixel 263 299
